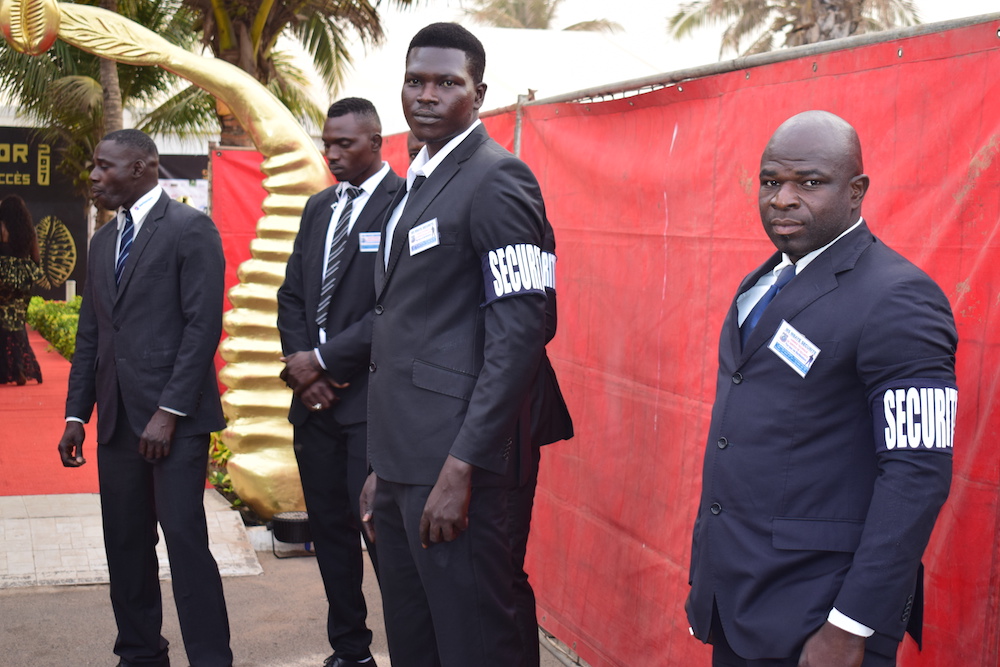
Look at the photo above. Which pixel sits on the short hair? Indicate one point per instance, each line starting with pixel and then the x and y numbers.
pixel 16 218
pixel 136 139
pixel 358 106
pixel 453 36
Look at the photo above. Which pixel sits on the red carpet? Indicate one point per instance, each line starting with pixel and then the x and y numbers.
pixel 31 423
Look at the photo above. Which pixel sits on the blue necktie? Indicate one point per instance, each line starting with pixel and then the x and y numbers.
pixel 124 246
pixel 337 245
pixel 785 275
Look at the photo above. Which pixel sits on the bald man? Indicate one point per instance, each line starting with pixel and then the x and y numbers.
pixel 830 447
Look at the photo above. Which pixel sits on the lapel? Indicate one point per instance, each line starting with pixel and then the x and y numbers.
pixel 418 204
pixel 369 219
pixel 103 253
pixel 817 279
pixel 149 227
pixel 315 247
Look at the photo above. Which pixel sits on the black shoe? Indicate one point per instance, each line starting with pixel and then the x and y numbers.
pixel 334 661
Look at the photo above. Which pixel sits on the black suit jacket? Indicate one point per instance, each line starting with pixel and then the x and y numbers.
pixel 346 350
pixel 451 370
pixel 810 500
pixel 151 340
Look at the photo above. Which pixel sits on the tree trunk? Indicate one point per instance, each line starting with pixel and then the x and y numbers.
pixel 113 112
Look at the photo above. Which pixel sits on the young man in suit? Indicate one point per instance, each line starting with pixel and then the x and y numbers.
pixel 149 326
pixel 323 304
pixel 457 338
pixel 829 452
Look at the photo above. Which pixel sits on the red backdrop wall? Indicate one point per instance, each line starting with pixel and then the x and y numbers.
pixel 653 199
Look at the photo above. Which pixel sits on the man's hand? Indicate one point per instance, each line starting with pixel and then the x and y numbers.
pixel 320 393
pixel 832 647
pixel 155 441
pixel 71 445
pixel 367 505
pixel 301 370
pixel 446 513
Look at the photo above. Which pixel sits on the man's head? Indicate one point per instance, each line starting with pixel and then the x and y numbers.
pixel 413 145
pixel 352 140
pixel 443 87
pixel 126 166
pixel 812 182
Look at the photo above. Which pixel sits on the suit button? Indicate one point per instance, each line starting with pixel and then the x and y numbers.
pixel 722 443
pixel 379 309
pixel 116 328
pixel 372 367
pixel 737 378
pixel 716 508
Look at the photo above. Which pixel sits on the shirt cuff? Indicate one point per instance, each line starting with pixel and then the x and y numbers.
pixel 173 412
pixel 848 624
pixel 319 358
pixel 75 419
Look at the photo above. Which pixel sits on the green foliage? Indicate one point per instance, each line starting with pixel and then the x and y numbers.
pixel 56 321
pixel 61 91
pixel 218 476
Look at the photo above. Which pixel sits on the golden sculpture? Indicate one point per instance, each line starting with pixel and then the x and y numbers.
pixel 57 250
pixel 262 468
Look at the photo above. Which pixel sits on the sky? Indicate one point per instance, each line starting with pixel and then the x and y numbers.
pixel 556 62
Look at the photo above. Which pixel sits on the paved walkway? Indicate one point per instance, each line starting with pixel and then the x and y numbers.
pixel 58 540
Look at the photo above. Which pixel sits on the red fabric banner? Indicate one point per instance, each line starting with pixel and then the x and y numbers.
pixel 653 198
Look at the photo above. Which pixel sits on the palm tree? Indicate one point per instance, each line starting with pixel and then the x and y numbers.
pixel 64 89
pixel 245 33
pixel 798 22
pixel 533 14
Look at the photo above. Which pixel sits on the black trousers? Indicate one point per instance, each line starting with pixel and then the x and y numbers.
pixel 135 495
pixel 333 466
pixel 880 651
pixel 521 501
pixel 452 604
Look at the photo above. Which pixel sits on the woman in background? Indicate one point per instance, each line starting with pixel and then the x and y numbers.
pixel 19 260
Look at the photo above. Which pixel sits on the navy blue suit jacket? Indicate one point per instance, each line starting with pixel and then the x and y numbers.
pixel 821 491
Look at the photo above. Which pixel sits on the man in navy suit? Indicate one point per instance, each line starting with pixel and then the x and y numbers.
pixel 149 325
pixel 323 308
pixel 830 448
pixel 457 338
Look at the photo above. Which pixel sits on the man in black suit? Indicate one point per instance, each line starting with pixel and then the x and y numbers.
pixel 829 452
pixel 149 325
pixel 323 311
pixel 457 338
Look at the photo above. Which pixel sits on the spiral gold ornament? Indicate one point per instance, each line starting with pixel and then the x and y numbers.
pixel 262 468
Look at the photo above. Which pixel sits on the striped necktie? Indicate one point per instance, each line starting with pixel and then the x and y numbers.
pixel 785 275
pixel 124 246
pixel 337 245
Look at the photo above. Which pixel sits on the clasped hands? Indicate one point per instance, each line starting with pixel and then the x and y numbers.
pixel 303 374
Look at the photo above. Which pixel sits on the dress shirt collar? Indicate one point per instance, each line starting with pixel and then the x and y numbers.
pixel 367 187
pixel 805 260
pixel 140 210
pixel 423 165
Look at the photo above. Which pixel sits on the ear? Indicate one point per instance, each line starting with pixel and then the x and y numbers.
pixel 376 142
pixel 138 168
pixel 859 187
pixel 480 96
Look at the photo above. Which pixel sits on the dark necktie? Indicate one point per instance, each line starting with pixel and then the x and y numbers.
pixel 337 245
pixel 417 182
pixel 124 246
pixel 785 275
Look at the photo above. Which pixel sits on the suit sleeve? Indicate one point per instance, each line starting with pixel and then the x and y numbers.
pixel 906 357
pixel 507 213
pixel 82 393
pixel 292 325
pixel 201 284
pixel 347 352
